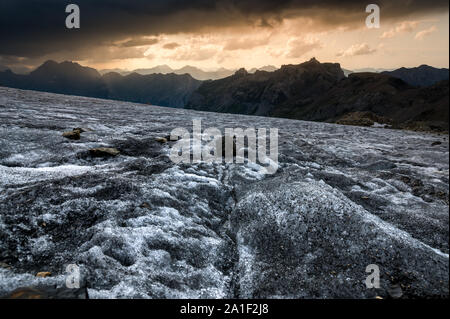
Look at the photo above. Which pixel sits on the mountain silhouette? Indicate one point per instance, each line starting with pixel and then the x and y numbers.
pixel 71 78
pixel 193 71
pixel 159 89
pixel 423 75
pixel 321 92
pixel 407 98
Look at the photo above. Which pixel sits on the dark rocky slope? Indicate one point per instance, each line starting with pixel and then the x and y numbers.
pixel 64 78
pixel 71 78
pixel 320 92
pixel 384 96
pixel 262 92
pixel 423 75
pixel 158 89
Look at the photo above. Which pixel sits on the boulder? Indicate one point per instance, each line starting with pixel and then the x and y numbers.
pixel 80 129
pixel 145 205
pixel 104 152
pixel 43 274
pixel 72 135
pixel 161 140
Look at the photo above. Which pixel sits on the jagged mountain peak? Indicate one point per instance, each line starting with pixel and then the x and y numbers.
pixel 65 68
pixel 312 63
pixel 241 72
pixel 313 60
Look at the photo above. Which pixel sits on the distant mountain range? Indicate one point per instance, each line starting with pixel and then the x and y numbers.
pixel 411 98
pixel 171 89
pixel 71 78
pixel 195 72
pixel 421 76
pixel 267 68
pixel 365 70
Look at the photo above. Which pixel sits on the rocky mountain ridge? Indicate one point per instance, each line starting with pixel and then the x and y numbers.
pixel 321 92
pixel 309 91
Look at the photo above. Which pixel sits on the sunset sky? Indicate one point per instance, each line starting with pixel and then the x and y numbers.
pixel 232 34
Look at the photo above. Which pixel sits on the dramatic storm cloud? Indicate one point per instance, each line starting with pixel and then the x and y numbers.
pixel 32 30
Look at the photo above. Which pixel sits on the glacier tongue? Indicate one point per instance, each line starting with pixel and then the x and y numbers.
pixel 140 226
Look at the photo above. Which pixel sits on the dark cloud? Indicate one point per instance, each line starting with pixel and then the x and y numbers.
pixel 141 41
pixel 37 28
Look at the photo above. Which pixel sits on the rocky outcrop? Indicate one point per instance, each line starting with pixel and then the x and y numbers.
pixel 320 92
pixel 261 93
pixel 43 274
